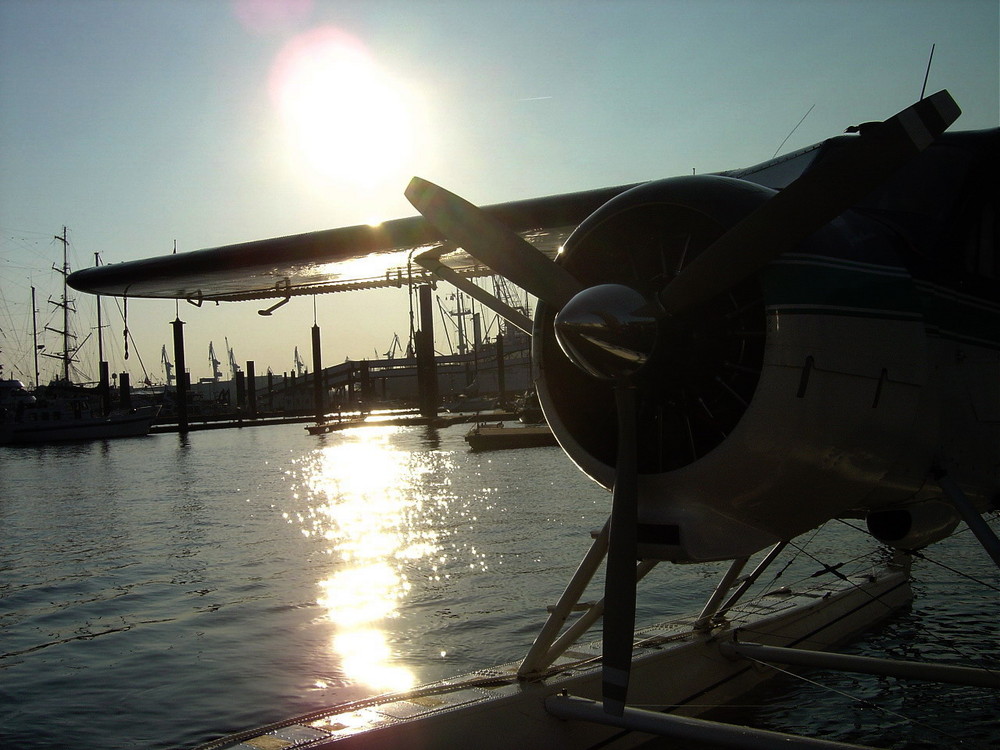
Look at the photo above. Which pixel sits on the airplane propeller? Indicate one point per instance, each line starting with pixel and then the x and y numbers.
pixel 492 244
pixel 611 330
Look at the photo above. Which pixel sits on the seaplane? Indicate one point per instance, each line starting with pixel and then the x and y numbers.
pixel 738 357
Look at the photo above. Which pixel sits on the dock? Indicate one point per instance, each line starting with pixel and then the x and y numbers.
pixel 336 421
pixel 409 418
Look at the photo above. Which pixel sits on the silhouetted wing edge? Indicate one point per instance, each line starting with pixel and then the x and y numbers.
pixel 332 260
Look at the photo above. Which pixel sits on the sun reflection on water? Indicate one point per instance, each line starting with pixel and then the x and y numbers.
pixel 367 500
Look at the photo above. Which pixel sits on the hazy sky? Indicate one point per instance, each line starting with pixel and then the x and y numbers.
pixel 137 124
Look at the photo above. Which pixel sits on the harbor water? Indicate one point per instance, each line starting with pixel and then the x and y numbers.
pixel 162 591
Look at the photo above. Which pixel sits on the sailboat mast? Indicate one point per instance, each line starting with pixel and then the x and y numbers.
pixel 66 355
pixel 34 333
pixel 100 326
pixel 65 304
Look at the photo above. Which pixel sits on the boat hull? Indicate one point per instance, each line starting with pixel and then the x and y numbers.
pixel 675 668
pixel 135 423
pixel 486 438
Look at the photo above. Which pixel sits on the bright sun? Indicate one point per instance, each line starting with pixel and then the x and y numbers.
pixel 345 116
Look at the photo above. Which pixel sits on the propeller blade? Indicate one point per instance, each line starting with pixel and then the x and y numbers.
pixel 619 579
pixel 814 199
pixel 492 244
pixel 432 263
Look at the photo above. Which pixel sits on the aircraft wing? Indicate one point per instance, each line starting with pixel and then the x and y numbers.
pixel 332 260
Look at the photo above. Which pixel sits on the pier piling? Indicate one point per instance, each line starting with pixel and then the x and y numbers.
pixel 426 362
pixel 105 387
pixel 124 391
pixel 501 375
pixel 251 389
pixel 182 381
pixel 317 357
pixel 241 390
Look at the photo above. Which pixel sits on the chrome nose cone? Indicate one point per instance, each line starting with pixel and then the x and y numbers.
pixel 608 331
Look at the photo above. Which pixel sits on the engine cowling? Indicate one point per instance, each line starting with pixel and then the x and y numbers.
pixel 764 411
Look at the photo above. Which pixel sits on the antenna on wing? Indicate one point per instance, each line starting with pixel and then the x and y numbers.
pixel 790 134
pixel 927 72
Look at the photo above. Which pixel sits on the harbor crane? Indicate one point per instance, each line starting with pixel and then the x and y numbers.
pixel 214 362
pixel 168 366
pixel 233 367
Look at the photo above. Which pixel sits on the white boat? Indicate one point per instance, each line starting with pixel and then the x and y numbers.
pixel 64 416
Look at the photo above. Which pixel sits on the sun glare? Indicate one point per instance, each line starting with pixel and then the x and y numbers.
pixel 367 653
pixel 346 117
pixel 362 507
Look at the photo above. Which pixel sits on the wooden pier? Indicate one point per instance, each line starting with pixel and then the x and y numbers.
pixel 336 421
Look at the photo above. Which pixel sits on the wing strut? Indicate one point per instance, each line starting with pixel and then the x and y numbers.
pixel 432 263
pixel 970 515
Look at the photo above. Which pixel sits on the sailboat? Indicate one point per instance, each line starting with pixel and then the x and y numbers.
pixel 58 413
pixel 64 411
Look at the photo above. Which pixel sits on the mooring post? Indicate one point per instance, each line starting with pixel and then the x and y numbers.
pixel 182 412
pixel 124 391
pixel 318 405
pixel 241 390
pixel 367 394
pixel 426 363
pixel 501 373
pixel 105 388
pixel 251 389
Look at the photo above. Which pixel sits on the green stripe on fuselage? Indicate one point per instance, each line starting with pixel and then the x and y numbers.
pixel 816 285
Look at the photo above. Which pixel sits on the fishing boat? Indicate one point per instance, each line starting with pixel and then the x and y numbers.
pixel 65 413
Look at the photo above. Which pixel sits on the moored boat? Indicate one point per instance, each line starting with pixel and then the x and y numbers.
pixel 61 415
pixel 64 410
pixel 485 437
